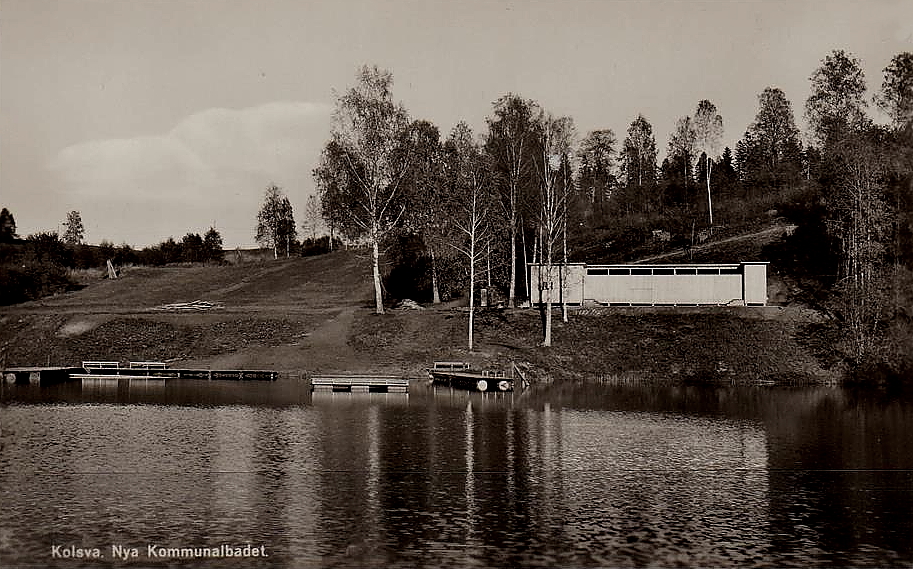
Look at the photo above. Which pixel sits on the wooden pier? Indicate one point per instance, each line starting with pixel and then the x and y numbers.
pixel 360 383
pixel 160 370
pixel 100 377
pixel 107 370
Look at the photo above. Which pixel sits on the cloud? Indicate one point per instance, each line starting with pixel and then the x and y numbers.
pixel 131 168
pixel 211 167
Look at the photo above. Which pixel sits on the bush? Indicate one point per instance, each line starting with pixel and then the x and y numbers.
pixel 32 280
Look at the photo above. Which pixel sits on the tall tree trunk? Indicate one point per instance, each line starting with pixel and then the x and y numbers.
pixel 709 200
pixel 375 262
pixel 511 295
pixel 640 171
pixel 547 341
pixel 488 264
pixel 685 173
pixel 564 263
pixel 435 294
pixel 526 268
pixel 472 281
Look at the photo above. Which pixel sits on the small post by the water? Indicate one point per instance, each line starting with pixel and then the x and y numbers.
pixel 517 371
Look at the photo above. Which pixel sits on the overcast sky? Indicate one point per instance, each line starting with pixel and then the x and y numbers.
pixel 155 118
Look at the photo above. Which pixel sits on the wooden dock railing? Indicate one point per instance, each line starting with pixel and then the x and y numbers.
pixel 148 365
pixel 100 365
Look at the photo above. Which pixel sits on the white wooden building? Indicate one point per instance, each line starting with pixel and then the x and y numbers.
pixel 742 283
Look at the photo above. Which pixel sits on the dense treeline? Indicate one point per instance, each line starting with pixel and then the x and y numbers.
pixel 41 263
pixel 537 191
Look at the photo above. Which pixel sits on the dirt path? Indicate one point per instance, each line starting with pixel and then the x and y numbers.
pixel 323 348
pixel 769 232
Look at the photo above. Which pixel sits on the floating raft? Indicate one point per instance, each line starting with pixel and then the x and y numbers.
pixel 458 374
pixel 360 383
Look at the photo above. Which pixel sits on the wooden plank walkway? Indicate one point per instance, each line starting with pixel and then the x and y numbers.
pixel 90 377
pixel 137 370
pixel 360 383
pixel 184 373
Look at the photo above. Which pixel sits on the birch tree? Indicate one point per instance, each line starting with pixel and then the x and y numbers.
pixel 862 220
pixel 511 135
pixel 427 217
pixel 555 148
pixel 896 95
pixel 708 135
pixel 770 152
pixel 312 216
pixel 639 152
pixel 836 108
pixel 276 221
pixel 470 198
pixel 596 159
pixel 861 217
pixel 362 168
pixel 682 143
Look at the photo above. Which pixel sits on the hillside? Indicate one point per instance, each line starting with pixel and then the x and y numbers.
pixel 314 314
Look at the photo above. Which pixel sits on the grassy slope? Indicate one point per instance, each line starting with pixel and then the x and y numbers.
pixel 314 314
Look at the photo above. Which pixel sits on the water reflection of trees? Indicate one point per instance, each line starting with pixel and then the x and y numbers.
pixel 840 474
pixel 626 474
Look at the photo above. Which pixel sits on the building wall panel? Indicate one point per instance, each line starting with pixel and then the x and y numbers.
pixel 571 281
pixel 755 283
pixel 661 285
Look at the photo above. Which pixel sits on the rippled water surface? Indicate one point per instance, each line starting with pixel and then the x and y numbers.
pixel 594 475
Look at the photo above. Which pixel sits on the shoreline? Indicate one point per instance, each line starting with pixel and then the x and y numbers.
pixel 314 314
pixel 749 345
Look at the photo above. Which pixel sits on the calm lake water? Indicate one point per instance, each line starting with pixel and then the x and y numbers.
pixel 588 475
